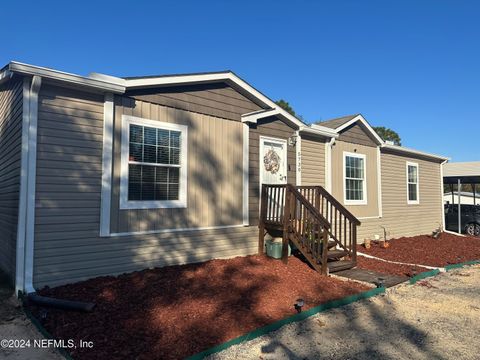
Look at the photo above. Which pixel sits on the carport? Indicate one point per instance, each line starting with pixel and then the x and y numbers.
pixel 461 173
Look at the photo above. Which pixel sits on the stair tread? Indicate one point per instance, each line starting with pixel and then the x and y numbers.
pixel 336 253
pixel 340 265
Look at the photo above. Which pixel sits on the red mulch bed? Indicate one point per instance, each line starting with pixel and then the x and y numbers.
pixel 425 250
pixel 388 268
pixel 177 311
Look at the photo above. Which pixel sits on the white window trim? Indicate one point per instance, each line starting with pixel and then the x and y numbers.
pixel 127 120
pixel 413 202
pixel 364 184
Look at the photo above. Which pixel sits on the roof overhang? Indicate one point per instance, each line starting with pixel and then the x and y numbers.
pixel 253 118
pixel 409 151
pixel 60 76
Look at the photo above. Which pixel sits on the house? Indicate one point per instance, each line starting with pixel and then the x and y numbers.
pixel 103 175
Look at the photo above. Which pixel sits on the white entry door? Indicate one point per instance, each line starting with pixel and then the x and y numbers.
pixel 273 161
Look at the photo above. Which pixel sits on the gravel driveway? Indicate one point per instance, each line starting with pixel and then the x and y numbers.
pixel 437 318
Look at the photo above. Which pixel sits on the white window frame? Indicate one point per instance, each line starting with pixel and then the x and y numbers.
pixel 413 202
pixel 364 201
pixel 128 120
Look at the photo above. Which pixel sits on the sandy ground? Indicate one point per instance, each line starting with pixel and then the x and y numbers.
pixel 437 318
pixel 14 325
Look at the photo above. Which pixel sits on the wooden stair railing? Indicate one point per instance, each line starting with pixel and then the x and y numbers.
pixel 343 224
pixel 300 221
pixel 312 219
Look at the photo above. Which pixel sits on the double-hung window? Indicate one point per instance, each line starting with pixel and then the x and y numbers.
pixel 355 189
pixel 153 164
pixel 413 196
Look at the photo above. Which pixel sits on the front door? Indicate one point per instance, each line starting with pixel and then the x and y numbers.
pixel 273 161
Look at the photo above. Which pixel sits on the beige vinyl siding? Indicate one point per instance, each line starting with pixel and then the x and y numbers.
pixel 219 100
pixel 11 112
pixel 215 163
pixel 338 182
pixel 313 161
pixel 67 243
pixel 357 134
pixel 399 218
pixel 274 128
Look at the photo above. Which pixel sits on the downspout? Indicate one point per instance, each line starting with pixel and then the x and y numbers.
pixel 26 214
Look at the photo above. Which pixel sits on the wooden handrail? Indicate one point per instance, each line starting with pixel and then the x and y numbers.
pixel 309 206
pixel 339 205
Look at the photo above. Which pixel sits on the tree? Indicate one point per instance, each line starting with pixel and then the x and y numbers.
pixel 285 106
pixel 388 134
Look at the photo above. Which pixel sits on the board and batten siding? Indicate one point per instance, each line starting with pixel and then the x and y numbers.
pixel 274 128
pixel 313 161
pixel 215 168
pixel 11 112
pixel 399 218
pixel 67 243
pixel 338 181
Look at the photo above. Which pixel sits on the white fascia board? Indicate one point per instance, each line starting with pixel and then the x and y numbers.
pixel 253 117
pixel 414 152
pixel 116 87
pixel 361 119
pixel 320 130
pixel 228 77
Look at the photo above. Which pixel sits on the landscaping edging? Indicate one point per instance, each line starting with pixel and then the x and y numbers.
pixel 44 331
pixel 295 318
pixel 424 275
pixel 461 265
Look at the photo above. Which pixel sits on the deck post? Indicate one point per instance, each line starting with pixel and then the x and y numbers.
pixel 261 222
pixel 324 251
pixel 286 223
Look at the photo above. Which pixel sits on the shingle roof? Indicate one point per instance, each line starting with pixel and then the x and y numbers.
pixel 337 122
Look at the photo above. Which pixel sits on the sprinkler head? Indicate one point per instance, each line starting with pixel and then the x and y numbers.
pixel 299 304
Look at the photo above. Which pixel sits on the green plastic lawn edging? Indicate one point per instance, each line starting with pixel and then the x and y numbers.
pixel 297 317
pixel 424 275
pixel 461 265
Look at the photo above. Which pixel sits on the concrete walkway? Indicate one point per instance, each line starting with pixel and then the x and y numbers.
pixel 437 318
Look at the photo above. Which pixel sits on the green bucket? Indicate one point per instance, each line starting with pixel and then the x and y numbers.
pixel 274 249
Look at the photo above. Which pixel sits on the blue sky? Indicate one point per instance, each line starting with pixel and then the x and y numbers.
pixel 413 66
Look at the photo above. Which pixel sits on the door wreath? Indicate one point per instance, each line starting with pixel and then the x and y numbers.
pixel 271 161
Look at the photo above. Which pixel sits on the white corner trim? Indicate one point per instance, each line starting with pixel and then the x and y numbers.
pixel 328 164
pixel 364 183
pixel 107 162
pixel 26 213
pixel 22 202
pixel 361 119
pixel 246 149
pixel 413 202
pixel 379 182
pixel 442 208
pixel 155 204
pixel 298 148
pixel 148 232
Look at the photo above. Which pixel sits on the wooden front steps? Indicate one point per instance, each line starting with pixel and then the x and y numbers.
pixel 321 228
